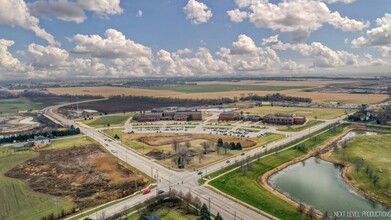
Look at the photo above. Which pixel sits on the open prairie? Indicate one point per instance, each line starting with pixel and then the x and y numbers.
pixel 320 97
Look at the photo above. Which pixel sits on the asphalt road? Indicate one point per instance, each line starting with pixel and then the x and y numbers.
pixel 184 181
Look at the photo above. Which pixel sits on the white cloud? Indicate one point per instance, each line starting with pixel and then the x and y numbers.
pixel 16 13
pixel 197 12
pixel 47 57
pixel 236 15
pixel 62 9
pixel 115 45
pixel 342 1
pixel 7 61
pixel 378 37
pixel 139 13
pixel 322 55
pixel 74 11
pixel 101 7
pixel 299 18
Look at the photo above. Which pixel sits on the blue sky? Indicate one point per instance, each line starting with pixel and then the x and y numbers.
pixel 286 37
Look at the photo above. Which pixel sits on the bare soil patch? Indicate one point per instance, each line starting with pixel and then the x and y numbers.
pixel 86 174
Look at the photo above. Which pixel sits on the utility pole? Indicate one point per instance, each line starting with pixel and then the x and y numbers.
pixel 235 215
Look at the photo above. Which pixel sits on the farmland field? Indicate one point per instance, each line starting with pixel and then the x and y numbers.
pixel 315 96
pixel 320 113
pixel 113 120
pixel 18 104
pixel 223 88
pixel 18 201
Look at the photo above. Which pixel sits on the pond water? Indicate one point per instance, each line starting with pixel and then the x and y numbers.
pixel 319 184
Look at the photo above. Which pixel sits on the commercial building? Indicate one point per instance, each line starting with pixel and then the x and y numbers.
pixel 170 113
pixel 284 119
pixel 229 116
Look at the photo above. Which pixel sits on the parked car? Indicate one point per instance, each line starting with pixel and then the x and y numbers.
pixel 199 173
pixel 146 191
pixel 159 192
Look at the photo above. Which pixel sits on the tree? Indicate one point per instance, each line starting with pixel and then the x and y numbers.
pixel 175 145
pixel 188 145
pixel 232 146
pixel 226 147
pixel 217 149
pixel 206 146
pixel 188 199
pixel 116 137
pixel 238 146
pixel 220 142
pixel 218 216
pixel 205 214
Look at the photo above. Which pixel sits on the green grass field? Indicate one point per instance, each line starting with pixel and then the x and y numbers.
pixel 18 104
pixel 376 151
pixel 246 188
pixel 113 120
pixel 223 88
pixel 68 142
pixel 320 113
pixel 18 201
pixel 296 128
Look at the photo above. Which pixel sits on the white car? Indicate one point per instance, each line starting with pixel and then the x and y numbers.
pixel 113 151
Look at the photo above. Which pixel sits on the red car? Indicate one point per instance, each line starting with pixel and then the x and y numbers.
pixel 146 191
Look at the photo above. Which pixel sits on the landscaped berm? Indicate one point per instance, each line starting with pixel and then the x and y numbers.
pixel 87 175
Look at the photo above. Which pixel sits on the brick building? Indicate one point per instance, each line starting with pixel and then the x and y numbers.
pixel 284 119
pixel 229 116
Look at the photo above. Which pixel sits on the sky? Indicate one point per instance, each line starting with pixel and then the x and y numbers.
pixel 70 39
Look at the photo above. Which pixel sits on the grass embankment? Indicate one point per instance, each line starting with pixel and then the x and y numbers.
pixel 18 201
pixel 246 188
pixel 320 113
pixel 297 128
pixel 103 121
pixel 223 88
pixel 376 154
pixel 69 142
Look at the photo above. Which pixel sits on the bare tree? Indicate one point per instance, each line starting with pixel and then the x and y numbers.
pixel 217 149
pixel 175 145
pixel 200 157
pixel 188 198
pixel 206 146
pixel 102 215
pixel 188 145
pixel 197 203
pixel 226 147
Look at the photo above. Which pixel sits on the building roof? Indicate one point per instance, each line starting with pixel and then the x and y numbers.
pixel 153 114
pixel 229 113
pixel 90 111
pixel 188 113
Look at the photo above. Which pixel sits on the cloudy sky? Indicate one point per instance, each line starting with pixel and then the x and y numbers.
pixel 123 38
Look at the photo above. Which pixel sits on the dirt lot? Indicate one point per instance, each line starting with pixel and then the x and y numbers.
pixel 86 174
pixel 164 139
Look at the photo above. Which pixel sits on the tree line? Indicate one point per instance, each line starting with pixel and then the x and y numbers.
pixel 275 97
pixel 49 134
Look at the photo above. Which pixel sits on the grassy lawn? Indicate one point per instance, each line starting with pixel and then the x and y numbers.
pixel 376 152
pixel 267 139
pixel 18 201
pixel 113 120
pixel 223 88
pixel 296 128
pixel 69 142
pixel 321 113
pixel 246 188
